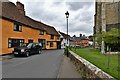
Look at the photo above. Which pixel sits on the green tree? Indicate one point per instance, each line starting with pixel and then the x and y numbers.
pixel 74 35
pixel 110 37
pixel 91 37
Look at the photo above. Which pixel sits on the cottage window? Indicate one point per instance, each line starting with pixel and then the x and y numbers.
pixel 17 27
pixel 9 41
pixel 41 32
pixel 52 36
pixel 58 37
pixel 21 42
pixel 51 44
pixel 15 42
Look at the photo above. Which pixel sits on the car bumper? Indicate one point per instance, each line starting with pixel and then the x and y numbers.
pixel 18 53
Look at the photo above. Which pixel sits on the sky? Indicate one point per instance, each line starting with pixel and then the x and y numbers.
pixel 52 12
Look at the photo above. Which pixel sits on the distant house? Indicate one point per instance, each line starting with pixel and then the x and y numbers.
pixel 84 41
pixel 75 41
pixel 63 38
pixel 79 41
pixel 90 43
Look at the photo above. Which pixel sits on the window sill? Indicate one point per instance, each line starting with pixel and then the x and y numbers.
pixel 17 31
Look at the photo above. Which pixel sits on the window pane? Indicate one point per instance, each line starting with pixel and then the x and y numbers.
pixel 33 45
pixel 15 42
pixel 9 40
pixel 20 28
pixel 21 44
pixel 52 36
pixel 23 41
pixel 15 28
pixel 51 44
pixel 41 32
pixel 29 45
pixel 9 45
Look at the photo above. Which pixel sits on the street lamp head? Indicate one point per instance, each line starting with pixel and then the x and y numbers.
pixel 67 14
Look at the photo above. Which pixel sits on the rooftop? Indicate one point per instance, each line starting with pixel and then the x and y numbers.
pixel 11 12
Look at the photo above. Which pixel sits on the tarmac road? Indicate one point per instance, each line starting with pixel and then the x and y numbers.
pixel 45 65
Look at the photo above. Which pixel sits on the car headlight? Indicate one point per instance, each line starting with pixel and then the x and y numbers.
pixel 22 50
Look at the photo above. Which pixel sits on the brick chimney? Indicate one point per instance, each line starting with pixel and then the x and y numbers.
pixel 20 7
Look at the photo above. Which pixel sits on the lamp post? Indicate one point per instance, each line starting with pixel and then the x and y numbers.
pixel 67 16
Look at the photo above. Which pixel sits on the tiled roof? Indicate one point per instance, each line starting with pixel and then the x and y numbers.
pixel 64 35
pixel 11 12
pixel 78 38
pixel 33 23
pixel 49 29
pixel 84 38
pixel 75 39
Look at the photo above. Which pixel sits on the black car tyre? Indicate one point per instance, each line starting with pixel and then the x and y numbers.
pixel 27 54
pixel 15 55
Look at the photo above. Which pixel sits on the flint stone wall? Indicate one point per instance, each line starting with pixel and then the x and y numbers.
pixel 87 69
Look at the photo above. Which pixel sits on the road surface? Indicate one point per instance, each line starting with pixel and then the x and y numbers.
pixel 45 65
pixel 49 64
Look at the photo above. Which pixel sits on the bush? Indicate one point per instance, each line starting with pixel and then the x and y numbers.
pixel 66 50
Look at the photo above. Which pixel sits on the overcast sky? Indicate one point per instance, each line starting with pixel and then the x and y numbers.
pixel 52 12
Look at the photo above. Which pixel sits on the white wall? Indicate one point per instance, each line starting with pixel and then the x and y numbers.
pixel 64 43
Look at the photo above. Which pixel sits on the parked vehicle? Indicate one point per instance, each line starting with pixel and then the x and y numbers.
pixel 27 49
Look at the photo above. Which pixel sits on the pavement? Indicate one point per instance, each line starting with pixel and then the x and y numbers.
pixel 67 69
pixel 6 57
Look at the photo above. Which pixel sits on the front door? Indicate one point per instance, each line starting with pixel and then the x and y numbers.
pixel 30 41
pixel 43 42
pixel 58 45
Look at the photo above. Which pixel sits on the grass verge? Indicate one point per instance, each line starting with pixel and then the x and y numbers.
pixel 100 60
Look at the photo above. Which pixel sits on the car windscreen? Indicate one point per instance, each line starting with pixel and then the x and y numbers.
pixel 29 45
pixel 24 45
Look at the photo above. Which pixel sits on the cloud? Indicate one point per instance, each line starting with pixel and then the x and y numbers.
pixel 78 5
pixel 81 18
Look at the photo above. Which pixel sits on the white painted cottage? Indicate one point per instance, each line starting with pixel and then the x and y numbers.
pixel 63 38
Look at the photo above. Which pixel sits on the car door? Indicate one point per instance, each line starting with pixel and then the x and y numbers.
pixel 33 48
pixel 37 48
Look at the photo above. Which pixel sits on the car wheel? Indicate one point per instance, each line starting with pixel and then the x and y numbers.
pixel 15 55
pixel 27 54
